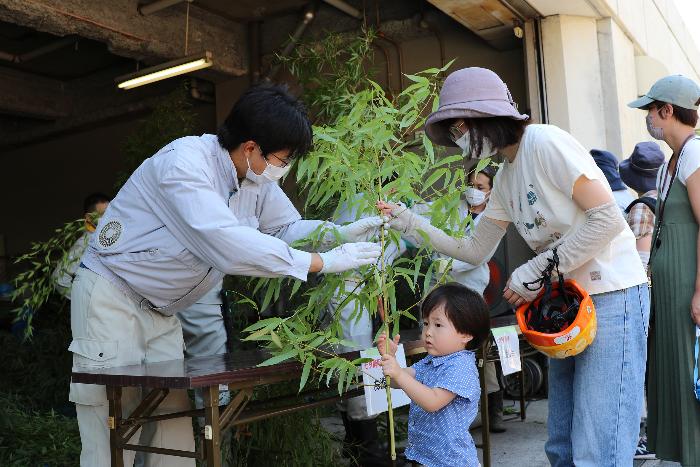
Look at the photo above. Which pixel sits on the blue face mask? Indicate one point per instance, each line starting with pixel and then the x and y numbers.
pixel 696 381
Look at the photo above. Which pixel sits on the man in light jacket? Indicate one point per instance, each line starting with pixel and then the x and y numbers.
pixel 168 237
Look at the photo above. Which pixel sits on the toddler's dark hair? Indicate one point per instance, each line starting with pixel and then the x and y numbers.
pixel 465 308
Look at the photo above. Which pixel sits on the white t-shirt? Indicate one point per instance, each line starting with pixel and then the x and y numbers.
pixel 535 193
pixel 688 163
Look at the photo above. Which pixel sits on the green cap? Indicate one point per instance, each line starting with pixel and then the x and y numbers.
pixel 674 89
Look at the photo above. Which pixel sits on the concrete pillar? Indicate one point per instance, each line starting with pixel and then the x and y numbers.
pixel 573 79
pixel 623 126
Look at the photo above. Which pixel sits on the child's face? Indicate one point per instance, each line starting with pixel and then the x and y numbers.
pixel 440 336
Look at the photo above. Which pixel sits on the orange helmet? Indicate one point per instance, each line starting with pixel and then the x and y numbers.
pixel 558 324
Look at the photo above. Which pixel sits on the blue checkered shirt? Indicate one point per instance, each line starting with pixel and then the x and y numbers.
pixel 437 439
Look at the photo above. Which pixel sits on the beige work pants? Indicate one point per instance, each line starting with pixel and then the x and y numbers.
pixel 110 330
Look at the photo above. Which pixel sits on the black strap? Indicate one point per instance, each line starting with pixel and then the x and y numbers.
pixel 551 314
pixel 648 201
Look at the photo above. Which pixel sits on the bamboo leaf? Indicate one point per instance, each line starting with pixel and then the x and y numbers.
pixel 279 358
pixel 305 373
pixel 275 339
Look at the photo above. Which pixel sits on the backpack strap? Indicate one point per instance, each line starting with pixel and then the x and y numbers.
pixel 695 370
pixel 648 201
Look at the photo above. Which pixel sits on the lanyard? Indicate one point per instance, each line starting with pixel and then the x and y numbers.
pixel 662 199
pixel 696 383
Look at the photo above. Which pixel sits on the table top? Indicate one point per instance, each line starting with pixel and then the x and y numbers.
pixel 238 368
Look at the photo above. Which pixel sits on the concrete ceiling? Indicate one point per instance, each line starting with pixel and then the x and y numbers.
pixel 250 10
pixel 492 20
pixel 61 58
pixel 73 58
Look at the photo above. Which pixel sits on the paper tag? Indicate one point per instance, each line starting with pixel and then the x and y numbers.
pixel 375 383
pixel 508 348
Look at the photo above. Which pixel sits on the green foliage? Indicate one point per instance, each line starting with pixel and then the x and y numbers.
pixel 29 437
pixel 35 285
pixel 330 71
pixel 171 118
pixel 35 380
pixel 38 370
pixel 297 439
pixel 370 152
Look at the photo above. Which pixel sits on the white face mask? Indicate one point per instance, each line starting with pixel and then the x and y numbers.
pixel 272 173
pixel 465 143
pixel 475 197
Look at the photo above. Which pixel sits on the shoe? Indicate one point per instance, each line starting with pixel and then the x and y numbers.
pixel 496 412
pixel 642 452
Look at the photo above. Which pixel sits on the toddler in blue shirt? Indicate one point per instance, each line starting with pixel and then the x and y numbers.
pixel 443 386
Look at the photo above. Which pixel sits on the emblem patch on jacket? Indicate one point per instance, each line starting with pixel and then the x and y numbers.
pixel 110 233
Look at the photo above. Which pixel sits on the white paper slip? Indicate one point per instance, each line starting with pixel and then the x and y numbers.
pixel 508 348
pixel 375 383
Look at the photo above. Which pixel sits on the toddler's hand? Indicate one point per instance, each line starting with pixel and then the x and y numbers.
pixel 393 345
pixel 390 366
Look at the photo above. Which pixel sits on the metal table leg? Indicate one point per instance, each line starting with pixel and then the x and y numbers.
pixel 114 396
pixel 212 428
pixel 522 388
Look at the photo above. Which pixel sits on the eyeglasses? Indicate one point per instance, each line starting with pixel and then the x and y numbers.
pixel 456 131
pixel 283 162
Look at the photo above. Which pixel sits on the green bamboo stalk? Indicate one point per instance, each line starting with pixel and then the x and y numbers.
pixel 387 319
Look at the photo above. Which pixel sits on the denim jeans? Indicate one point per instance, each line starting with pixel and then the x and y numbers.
pixel 595 398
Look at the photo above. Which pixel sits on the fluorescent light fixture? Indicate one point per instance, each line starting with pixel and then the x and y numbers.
pixel 165 70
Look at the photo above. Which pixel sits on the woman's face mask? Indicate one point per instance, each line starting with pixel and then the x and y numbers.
pixel 475 197
pixel 655 132
pixel 465 143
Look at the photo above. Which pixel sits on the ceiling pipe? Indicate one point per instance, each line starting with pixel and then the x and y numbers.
pixel 39 51
pixel 388 66
pixel 254 51
pixel 309 16
pixel 158 5
pixel 345 8
pixel 426 24
pixel 399 53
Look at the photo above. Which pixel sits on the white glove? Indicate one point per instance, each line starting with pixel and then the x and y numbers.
pixel 402 218
pixel 362 230
pixel 349 256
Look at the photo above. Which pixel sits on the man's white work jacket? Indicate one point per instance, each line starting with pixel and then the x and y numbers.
pixel 169 236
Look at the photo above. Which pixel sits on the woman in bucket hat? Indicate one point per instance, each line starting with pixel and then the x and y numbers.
pixel 551 190
pixel 673 423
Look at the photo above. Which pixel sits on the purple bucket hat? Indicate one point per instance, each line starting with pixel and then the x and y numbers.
pixel 470 93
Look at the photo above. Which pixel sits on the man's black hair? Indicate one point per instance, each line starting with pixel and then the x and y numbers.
pixel 273 118
pixel 465 308
pixel 92 200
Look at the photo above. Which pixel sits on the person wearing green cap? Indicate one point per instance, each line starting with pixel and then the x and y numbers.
pixel 673 423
